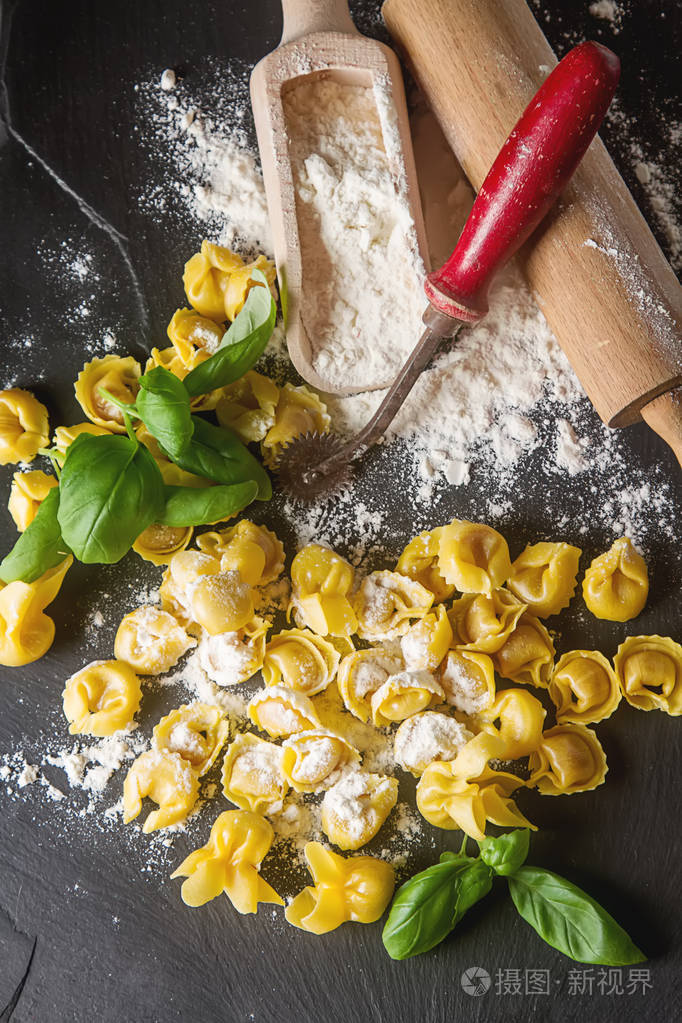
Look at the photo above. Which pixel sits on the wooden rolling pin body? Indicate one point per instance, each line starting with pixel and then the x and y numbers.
pixel 597 272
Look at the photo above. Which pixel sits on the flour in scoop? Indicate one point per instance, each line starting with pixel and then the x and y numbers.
pixel 362 294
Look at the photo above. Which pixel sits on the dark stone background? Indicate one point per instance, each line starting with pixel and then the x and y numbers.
pixel 87 932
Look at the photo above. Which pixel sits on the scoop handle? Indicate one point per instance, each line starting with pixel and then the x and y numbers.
pixel 302 17
pixel 532 168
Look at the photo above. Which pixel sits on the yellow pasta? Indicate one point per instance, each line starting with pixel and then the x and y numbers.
pixel 386 603
pixel 570 759
pixel 229 658
pixel 419 561
pixel 101 698
pixel 298 411
pixel 354 809
pixel 248 406
pixel 168 358
pixel 151 641
pixel 197 731
pixel 473 557
pixel 254 551
pixel 168 780
pixel 467 679
pixel 189 333
pixel 527 655
pixel 321 581
pixel 314 760
pixel 64 436
pixel 519 732
pixel 217 280
pixel 300 660
pixel 584 688
pixel 252 774
pixel 649 670
pixel 359 676
pixel 485 622
pixel 179 580
pixel 426 643
pixel 28 491
pixel 23 426
pixel 425 738
pixel 230 863
pixel 119 376
pixel 616 584
pixel 26 633
pixel 222 603
pixel 544 577
pixel 159 543
pixel 404 694
pixel 281 712
pixel 358 888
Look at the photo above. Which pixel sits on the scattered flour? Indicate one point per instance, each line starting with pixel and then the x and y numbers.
pixel 608 10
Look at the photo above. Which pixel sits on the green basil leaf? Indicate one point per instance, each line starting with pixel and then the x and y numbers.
pixel 242 345
pixel 162 404
pixel 506 853
pixel 570 920
pixel 217 454
pixel 428 906
pixel 201 506
pixel 39 547
pixel 110 491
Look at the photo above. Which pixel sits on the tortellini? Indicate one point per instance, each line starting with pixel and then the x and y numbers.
pixel 419 561
pixel 584 688
pixel 217 280
pixel 354 809
pixel 544 577
pixel 321 581
pixel 426 643
pixel 387 602
pixel 404 694
pixel 473 557
pixel 314 760
pixel 298 411
pixel 197 731
pixel 252 774
pixel 229 658
pixel 23 426
pixel 359 676
pixel 616 584
pixel 190 333
pixel 301 660
pixel 282 712
pixel 467 679
pixel 64 436
pixel 358 888
pixel 119 376
pixel 253 551
pixel 248 406
pixel 570 759
pixel 649 670
pixel 101 698
pixel 519 733
pixel 28 491
pixel 26 633
pixel 424 738
pixel 180 579
pixel 485 622
pixel 158 543
pixel 151 641
pixel 527 655
pixel 230 863
pixel 222 603
pixel 168 780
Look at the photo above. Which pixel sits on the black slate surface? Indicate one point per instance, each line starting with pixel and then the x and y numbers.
pixel 88 932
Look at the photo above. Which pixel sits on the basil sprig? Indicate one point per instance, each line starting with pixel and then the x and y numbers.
pixel 162 404
pixel 40 547
pixel 202 506
pixel 110 490
pixel 429 905
pixel 242 345
pixel 217 454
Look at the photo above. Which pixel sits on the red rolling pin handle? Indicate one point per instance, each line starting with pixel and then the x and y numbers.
pixel 531 170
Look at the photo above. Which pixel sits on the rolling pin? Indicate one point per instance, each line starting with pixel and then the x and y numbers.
pixel 602 282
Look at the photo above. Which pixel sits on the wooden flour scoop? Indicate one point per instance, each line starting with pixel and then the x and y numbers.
pixel 319 40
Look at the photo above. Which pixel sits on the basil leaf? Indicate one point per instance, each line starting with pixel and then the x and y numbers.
pixel 570 920
pixel 506 853
pixel 242 345
pixel 162 404
pixel 428 906
pixel 110 491
pixel 200 506
pixel 39 547
pixel 217 454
